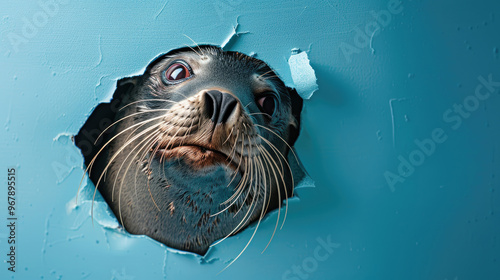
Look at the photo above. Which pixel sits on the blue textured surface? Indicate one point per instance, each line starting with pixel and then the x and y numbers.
pixel 381 91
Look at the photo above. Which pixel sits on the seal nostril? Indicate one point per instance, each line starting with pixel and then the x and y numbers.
pixel 219 106
pixel 210 105
pixel 228 105
pixel 214 104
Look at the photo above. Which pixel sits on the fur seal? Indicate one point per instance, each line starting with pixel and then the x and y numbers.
pixel 198 148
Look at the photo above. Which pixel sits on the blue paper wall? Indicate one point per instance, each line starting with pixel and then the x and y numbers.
pixel 401 139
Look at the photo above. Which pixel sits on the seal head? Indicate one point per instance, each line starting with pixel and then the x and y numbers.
pixel 199 147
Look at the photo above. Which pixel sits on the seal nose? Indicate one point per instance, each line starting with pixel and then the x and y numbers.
pixel 219 105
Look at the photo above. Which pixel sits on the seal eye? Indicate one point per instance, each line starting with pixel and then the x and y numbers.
pixel 177 72
pixel 267 104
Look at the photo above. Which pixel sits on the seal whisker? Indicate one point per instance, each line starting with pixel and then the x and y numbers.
pixel 260 113
pixel 236 195
pixel 260 76
pixel 271 164
pixel 188 130
pixel 248 243
pixel 149 166
pixel 183 95
pixel 281 138
pixel 148 171
pixel 291 174
pixel 265 164
pixel 89 167
pixel 139 125
pixel 133 132
pixel 173 137
pixel 192 49
pixel 243 181
pixel 286 194
pixel 116 122
pixel 251 184
pixel 146 139
pixel 230 133
pixel 147 147
pixel 111 160
pixel 233 150
pixel 266 154
pixel 272 76
pixel 252 207
pixel 198 46
pixel 253 204
pixel 238 191
pixel 265 182
pixel 235 173
pixel 241 223
pixel 122 132
pixel 259 177
pixel 262 173
pixel 126 171
pixel 122 119
pixel 276 152
pixel 148 100
pixel 168 144
pixel 150 194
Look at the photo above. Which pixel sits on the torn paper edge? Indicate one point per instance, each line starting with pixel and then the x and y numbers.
pixel 303 75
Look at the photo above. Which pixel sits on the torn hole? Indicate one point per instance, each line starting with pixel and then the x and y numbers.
pixel 169 170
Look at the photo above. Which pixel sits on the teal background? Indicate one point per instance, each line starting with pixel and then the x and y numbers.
pixel 441 222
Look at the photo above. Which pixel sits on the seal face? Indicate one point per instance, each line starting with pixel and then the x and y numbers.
pixel 198 148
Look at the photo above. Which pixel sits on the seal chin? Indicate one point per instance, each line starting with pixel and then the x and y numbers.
pixel 197 157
